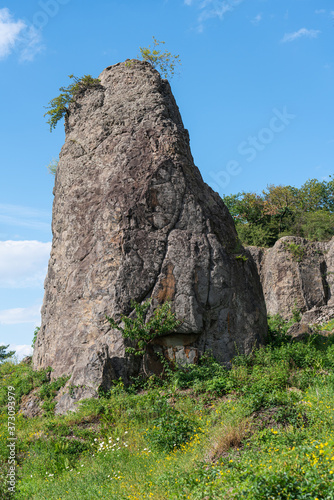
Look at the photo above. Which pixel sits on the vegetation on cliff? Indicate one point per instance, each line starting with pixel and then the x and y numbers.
pixel 164 62
pixel 142 330
pixel 284 211
pixel 58 106
pixel 263 429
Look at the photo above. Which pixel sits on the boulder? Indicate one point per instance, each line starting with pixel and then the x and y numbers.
pixel 31 405
pixel 297 274
pixel 133 219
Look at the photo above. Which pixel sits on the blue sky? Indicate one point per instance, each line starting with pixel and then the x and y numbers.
pixel 255 91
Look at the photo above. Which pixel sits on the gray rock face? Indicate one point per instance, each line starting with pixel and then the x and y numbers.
pixel 133 219
pixel 297 273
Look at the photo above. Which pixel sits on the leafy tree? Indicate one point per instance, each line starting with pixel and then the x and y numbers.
pixel 5 355
pixel 317 226
pixel 58 106
pixel 164 62
pixel 284 211
pixel 143 332
pixel 315 195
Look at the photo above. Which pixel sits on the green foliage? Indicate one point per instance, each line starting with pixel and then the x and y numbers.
pixel 284 211
pixel 5 355
pixel 296 313
pixel 296 250
pixel 277 330
pixel 22 377
pixel 207 376
pixel 142 332
pixel 52 166
pixel 243 258
pixel 37 329
pixel 58 106
pixel 317 226
pixel 49 391
pixel 164 62
pixel 262 429
pixel 171 429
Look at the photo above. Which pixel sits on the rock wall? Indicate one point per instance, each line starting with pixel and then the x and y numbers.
pixel 296 273
pixel 133 219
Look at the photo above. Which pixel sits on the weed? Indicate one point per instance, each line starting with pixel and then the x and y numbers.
pixel 296 250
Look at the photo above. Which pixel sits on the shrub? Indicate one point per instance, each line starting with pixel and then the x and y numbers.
pixel 170 429
pixel 58 106
pixel 48 392
pixel 296 251
pixel 52 166
pixel 37 329
pixel 164 62
pixel 142 332
pixel 207 376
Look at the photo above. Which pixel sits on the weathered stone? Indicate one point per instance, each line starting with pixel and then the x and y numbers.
pixel 133 219
pixel 297 274
pixel 300 331
pixel 30 405
pixel 27 360
pixel 67 398
pixel 319 315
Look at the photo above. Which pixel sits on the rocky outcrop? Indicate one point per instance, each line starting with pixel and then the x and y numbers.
pixel 297 274
pixel 133 219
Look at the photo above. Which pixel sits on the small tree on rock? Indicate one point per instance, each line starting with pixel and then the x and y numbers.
pixel 164 62
pixel 59 105
pixel 142 332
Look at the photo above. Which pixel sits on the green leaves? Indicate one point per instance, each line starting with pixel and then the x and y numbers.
pixel 164 62
pixel 142 332
pixel 58 106
pixel 52 166
pixel 261 219
pixel 5 355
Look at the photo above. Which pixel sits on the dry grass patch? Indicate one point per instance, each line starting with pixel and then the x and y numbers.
pixel 229 436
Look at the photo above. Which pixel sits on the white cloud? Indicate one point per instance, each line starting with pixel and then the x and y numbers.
pixel 31 44
pixel 257 19
pixel 17 215
pixel 15 34
pixel 9 32
pixel 23 263
pixel 320 11
pixel 21 315
pixel 303 32
pixel 209 9
pixel 21 351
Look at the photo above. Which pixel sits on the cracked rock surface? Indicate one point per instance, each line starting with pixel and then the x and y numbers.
pixel 297 274
pixel 133 219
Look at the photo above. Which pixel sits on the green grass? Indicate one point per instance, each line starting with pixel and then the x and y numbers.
pixel 262 430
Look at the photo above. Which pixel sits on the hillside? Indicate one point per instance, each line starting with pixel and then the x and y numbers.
pixel 262 430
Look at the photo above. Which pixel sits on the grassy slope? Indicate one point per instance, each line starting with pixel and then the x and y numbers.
pixel 263 430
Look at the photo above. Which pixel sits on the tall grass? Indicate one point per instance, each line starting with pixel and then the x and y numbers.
pixel 262 430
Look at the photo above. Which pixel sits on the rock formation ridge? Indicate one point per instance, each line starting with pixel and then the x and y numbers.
pixel 297 274
pixel 133 219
